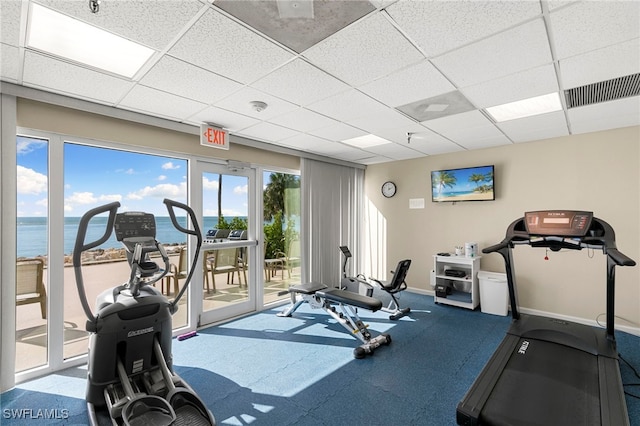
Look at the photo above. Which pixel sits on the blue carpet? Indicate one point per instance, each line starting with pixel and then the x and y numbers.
pixel 267 370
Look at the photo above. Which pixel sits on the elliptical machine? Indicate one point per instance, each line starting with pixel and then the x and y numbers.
pixel 357 284
pixel 130 375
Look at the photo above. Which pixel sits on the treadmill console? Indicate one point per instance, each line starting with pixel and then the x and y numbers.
pixel 561 223
pixel 135 224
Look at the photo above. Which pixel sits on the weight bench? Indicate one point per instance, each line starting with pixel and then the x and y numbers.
pixel 342 306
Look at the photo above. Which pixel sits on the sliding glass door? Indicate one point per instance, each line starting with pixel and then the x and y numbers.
pixel 228 257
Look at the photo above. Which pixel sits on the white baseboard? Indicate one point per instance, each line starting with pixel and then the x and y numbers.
pixel 635 330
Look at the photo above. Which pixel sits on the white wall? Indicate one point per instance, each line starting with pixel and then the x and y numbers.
pixel 597 172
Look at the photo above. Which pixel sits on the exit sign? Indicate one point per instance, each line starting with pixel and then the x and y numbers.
pixel 215 137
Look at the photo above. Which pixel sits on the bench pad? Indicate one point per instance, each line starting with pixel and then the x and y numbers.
pixel 351 298
pixel 307 288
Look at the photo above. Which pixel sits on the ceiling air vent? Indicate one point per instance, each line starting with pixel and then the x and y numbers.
pixel 616 88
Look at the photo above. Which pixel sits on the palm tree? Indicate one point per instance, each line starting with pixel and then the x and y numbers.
pixel 477 178
pixel 444 178
pixel 274 194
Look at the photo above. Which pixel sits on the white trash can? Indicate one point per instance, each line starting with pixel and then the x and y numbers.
pixel 494 294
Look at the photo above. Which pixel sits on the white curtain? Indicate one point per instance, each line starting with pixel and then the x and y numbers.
pixel 332 209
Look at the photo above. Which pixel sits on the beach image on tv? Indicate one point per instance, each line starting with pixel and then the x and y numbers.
pixel 469 184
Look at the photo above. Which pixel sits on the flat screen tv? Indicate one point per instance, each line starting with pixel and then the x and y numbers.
pixel 465 184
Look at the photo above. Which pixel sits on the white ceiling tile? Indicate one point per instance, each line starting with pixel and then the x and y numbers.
pixel 480 141
pixel 227 119
pixel 399 134
pixel 310 143
pixel 337 132
pixel 382 121
pixel 194 82
pixel 10 12
pixel 226 47
pixel 522 85
pixel 410 84
pixel 348 106
pixel 240 103
pixel 602 64
pixel 591 25
pixel 394 151
pixel 267 132
pixel 374 159
pixel 517 49
pixel 470 130
pixel 439 26
pixel 366 50
pixel 63 77
pixel 607 115
pixel 155 102
pixel 10 63
pixel 433 144
pixel 153 23
pixel 300 82
pixel 303 120
pixel 543 126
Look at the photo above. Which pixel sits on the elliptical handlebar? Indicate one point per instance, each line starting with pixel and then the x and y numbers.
pixel 171 205
pixel 80 246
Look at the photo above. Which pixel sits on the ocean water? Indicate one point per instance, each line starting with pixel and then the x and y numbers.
pixel 32 233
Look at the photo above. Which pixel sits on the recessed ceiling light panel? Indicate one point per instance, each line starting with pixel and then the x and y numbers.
pixel 526 107
pixel 366 141
pixel 61 35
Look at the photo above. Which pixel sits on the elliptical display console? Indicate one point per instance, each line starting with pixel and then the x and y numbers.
pixel 130 375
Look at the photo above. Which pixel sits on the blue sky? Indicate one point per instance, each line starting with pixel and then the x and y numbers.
pixel 97 176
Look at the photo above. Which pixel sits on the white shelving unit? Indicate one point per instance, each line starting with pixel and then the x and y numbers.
pixel 464 290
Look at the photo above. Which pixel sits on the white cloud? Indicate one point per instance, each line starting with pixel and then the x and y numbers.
pixel 86 198
pixel 170 166
pixel 162 177
pixel 209 184
pixel 25 146
pixel 81 198
pixel 30 182
pixel 241 189
pixel 160 191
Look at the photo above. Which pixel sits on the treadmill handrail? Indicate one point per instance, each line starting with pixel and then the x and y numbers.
pixel 599 236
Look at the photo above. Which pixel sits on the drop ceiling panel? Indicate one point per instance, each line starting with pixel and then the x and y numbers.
pixel 439 26
pixel 542 126
pixel 591 25
pixel 151 101
pixel 10 12
pixel 225 47
pixel 433 144
pixel 337 132
pixel 153 23
pixel 602 64
pixel 300 83
pixel 399 134
pixel 348 106
pixel 607 115
pixel 385 120
pixel 194 82
pixel 410 84
pixel 303 120
pixel 10 62
pixel 521 85
pixel 366 50
pixel 394 151
pixel 240 103
pixel 63 77
pixel 226 119
pixel 267 132
pixel 309 143
pixel 497 56
pixel 469 129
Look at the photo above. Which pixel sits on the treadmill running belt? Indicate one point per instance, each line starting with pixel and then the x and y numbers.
pixel 543 384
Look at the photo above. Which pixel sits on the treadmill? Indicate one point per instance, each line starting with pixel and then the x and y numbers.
pixel 548 371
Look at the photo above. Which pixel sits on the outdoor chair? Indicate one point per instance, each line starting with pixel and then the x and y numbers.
pixel 30 284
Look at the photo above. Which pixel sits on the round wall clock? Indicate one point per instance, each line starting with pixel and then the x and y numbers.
pixel 389 189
